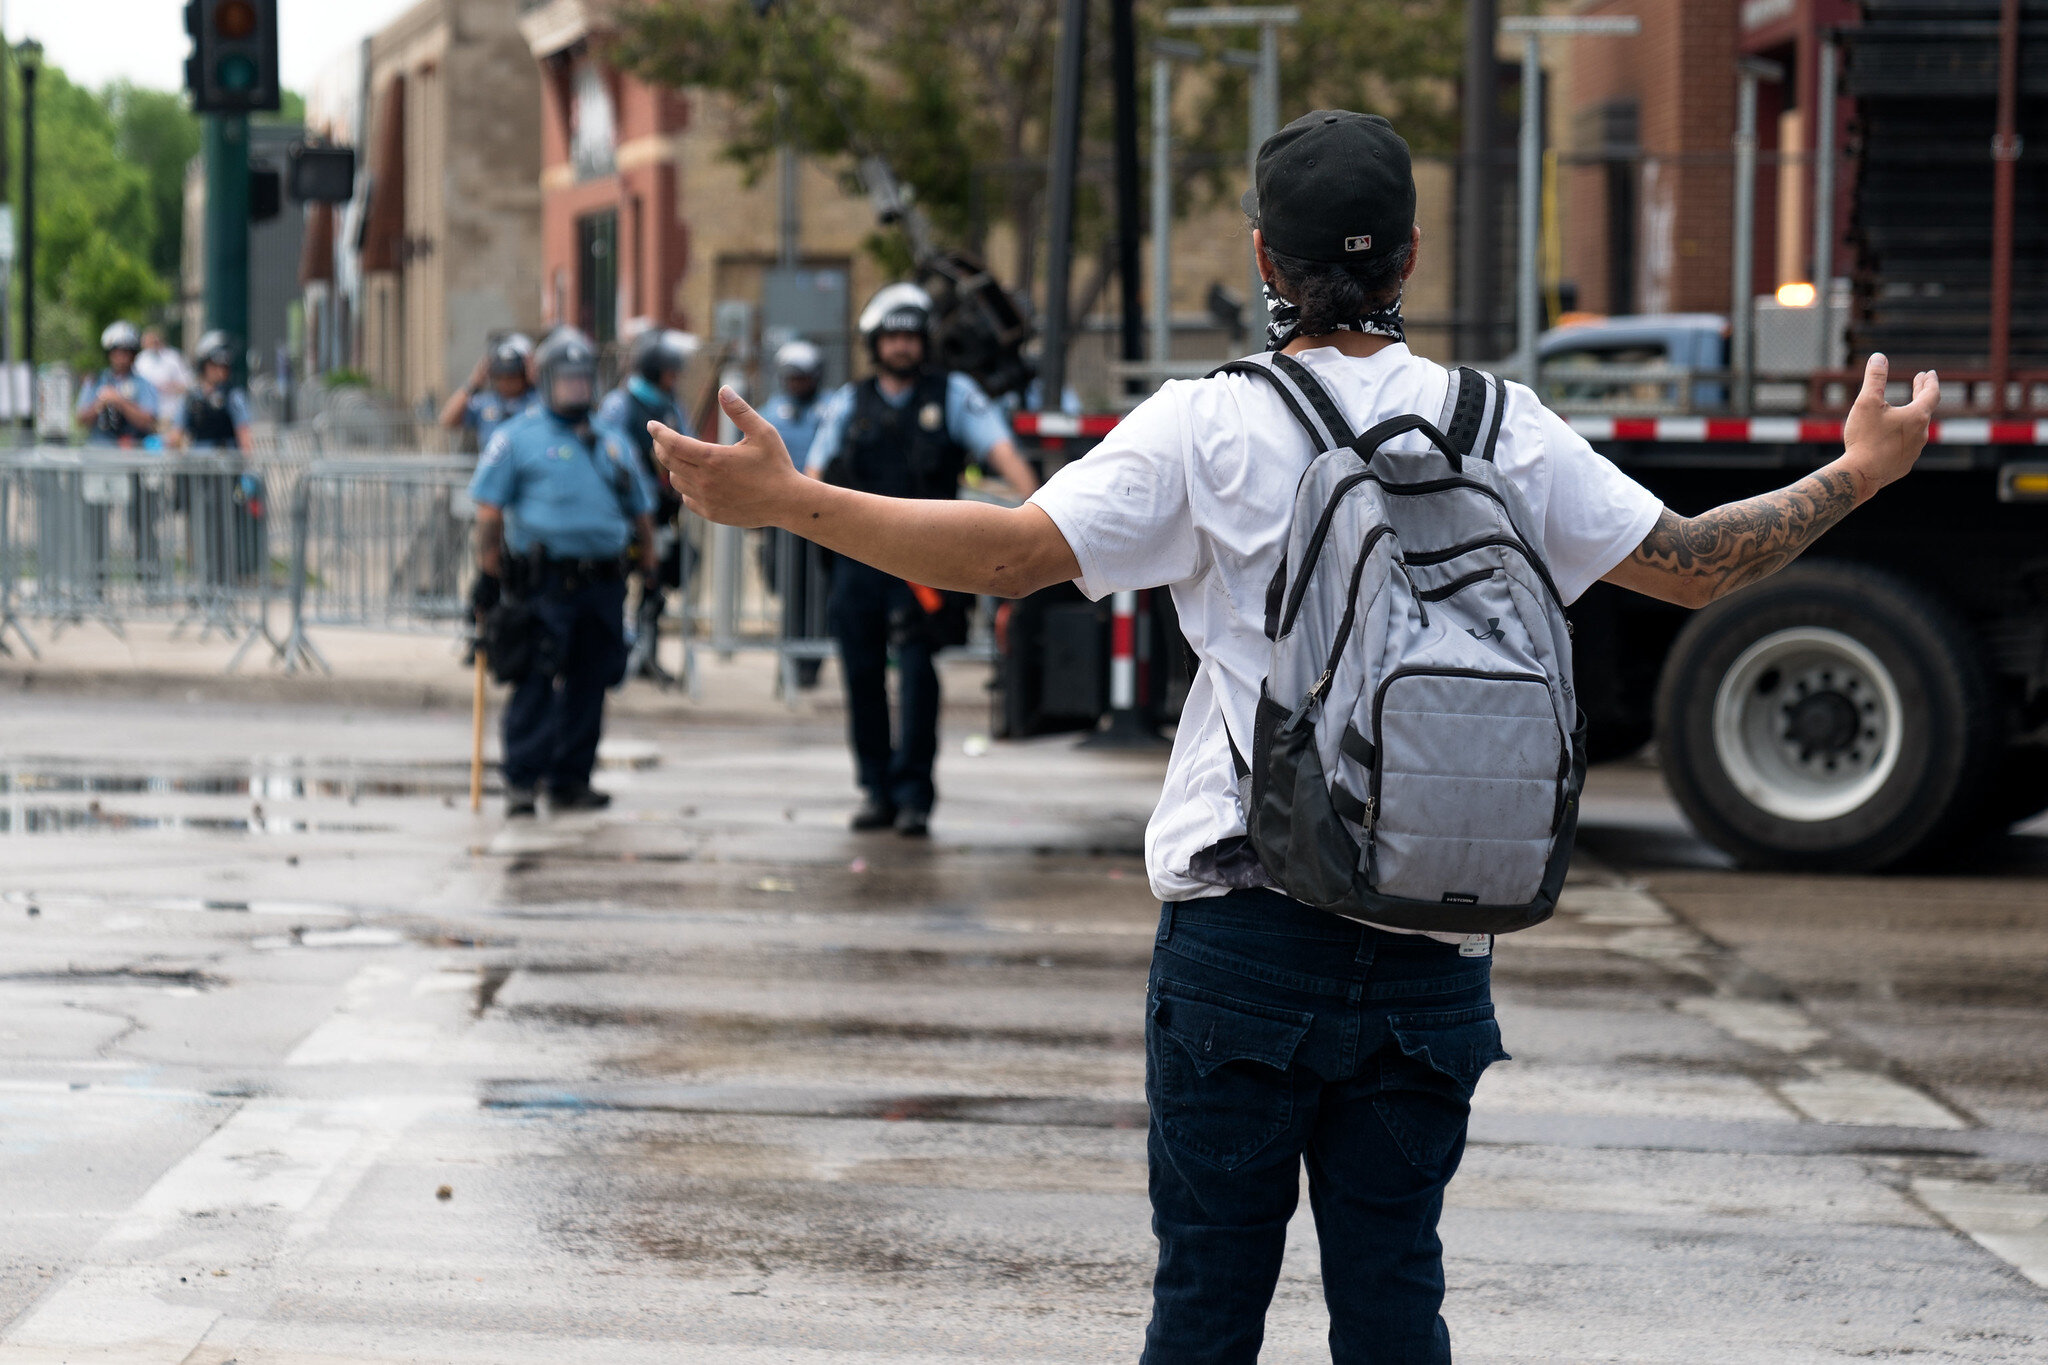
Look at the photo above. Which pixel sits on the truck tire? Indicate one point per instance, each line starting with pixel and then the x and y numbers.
pixel 1836 717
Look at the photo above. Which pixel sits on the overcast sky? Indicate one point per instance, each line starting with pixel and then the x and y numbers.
pixel 144 41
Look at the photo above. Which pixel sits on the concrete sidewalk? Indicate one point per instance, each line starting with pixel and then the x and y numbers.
pixel 152 660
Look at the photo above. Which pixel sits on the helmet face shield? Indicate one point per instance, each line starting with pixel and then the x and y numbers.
pixel 572 388
pixel 567 365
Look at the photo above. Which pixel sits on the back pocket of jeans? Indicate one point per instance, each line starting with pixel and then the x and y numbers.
pixel 1222 1089
pixel 1428 1070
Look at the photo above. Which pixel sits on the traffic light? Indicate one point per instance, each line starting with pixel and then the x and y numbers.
pixel 233 66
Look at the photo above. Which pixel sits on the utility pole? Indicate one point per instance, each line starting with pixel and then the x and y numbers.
pixel 1123 31
pixel 1478 246
pixel 1066 156
pixel 225 145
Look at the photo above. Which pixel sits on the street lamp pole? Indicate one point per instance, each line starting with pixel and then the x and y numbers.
pixel 29 55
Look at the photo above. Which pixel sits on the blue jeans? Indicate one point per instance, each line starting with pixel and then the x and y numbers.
pixel 1277 1034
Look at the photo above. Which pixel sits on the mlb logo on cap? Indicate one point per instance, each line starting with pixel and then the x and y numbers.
pixel 1358 243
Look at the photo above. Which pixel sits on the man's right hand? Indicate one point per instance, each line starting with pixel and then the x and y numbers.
pixel 1883 441
pixel 484 594
pixel 751 483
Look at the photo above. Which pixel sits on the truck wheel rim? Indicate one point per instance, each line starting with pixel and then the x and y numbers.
pixel 1807 724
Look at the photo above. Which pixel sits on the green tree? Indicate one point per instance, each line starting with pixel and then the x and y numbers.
pixel 958 94
pixel 96 221
pixel 154 131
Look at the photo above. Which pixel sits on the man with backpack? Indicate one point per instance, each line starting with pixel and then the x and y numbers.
pixel 1376 768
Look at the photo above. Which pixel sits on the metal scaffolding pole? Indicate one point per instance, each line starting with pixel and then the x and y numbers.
pixel 1529 176
pixel 1742 284
pixel 1824 194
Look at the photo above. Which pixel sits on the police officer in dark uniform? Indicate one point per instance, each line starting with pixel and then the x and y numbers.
pixel 223 512
pixel 559 500
pixel 908 431
pixel 647 394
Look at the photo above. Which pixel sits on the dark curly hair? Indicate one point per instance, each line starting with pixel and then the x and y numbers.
pixel 1329 293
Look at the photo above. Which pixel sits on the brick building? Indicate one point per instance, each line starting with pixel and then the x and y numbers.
pixel 1645 130
pixel 645 222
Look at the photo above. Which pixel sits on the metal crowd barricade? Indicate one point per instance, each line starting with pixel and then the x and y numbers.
pixel 113 536
pixel 378 543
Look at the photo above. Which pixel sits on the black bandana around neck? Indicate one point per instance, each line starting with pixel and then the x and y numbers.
pixel 1283 320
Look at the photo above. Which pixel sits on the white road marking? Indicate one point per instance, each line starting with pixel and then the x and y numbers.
pixel 1615 905
pixel 1843 1094
pixel 259 1173
pixel 270 1177
pixel 2010 1224
pixel 1762 1022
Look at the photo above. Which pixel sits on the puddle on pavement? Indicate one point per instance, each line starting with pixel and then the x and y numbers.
pixel 87 901
pixel 18 819
pixel 1040 1111
pixel 257 785
pixel 766 1030
pixel 162 977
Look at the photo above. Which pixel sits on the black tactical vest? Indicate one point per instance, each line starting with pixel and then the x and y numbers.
pixel 901 452
pixel 208 423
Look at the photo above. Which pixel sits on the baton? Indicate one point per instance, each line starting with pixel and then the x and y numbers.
pixel 476 736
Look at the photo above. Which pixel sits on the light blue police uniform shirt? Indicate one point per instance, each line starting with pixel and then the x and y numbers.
pixel 613 411
pixel 558 492
pixel 798 426
pixel 134 388
pixel 489 410
pixel 971 419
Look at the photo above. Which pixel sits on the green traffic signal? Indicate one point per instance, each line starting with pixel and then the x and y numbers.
pixel 236 72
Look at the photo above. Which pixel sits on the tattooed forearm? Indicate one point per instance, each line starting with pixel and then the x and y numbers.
pixel 1735 545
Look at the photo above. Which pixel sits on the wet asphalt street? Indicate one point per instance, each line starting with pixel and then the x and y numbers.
pixel 300 1062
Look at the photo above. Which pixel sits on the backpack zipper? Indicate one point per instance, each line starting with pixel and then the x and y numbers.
pixel 1315 549
pixel 1506 542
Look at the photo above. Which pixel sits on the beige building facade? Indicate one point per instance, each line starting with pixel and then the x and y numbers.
pixel 450 251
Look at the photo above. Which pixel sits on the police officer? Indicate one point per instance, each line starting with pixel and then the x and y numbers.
pixel 118 407
pixel 559 500
pixel 793 412
pixel 215 412
pixel 509 394
pixel 907 431
pixel 223 511
pixel 647 394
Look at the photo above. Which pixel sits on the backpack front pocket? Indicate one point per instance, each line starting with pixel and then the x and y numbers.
pixel 1467 790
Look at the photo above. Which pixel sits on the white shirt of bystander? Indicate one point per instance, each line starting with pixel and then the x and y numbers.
pixel 1194 491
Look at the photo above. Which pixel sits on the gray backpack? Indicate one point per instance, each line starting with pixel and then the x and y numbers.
pixel 1417 754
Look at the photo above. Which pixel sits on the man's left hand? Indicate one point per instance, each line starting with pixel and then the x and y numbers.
pixel 748 484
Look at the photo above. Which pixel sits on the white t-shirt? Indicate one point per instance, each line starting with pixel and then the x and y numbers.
pixel 1194 490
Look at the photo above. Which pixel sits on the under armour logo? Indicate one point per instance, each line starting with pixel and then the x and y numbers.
pixel 1492 631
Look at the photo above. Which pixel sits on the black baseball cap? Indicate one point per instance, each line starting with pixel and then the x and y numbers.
pixel 1333 186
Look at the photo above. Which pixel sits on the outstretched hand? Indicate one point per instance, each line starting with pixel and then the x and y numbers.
pixel 1883 441
pixel 748 484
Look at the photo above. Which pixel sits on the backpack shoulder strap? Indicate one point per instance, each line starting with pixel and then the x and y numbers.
pixel 1318 397
pixel 1299 390
pixel 1473 406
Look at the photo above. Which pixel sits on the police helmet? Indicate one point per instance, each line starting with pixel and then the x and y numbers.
pixel 120 336
pixel 660 351
pixel 799 357
pixel 215 348
pixel 899 307
pixel 508 356
pixel 566 365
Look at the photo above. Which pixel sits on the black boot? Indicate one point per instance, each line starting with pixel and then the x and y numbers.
pixel 874 813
